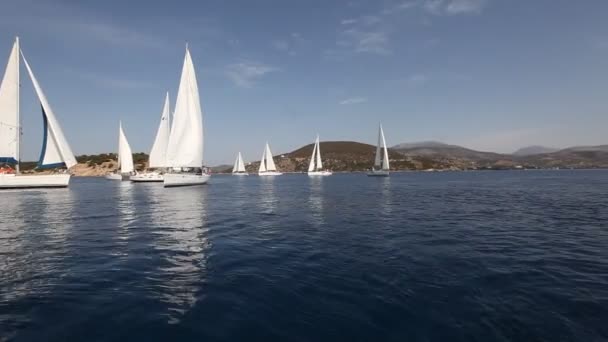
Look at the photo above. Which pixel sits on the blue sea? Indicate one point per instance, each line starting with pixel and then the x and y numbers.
pixel 449 256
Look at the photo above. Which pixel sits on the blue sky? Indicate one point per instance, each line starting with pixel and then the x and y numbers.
pixel 486 74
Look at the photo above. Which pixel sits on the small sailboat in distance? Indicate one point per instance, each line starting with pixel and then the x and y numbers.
pixel 315 168
pixel 185 147
pixel 56 151
pixel 158 155
pixel 381 166
pixel 239 167
pixel 125 158
pixel 267 167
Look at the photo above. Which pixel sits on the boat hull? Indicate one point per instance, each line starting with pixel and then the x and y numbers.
pixel 118 176
pixel 240 174
pixel 12 181
pixel 147 177
pixel 184 179
pixel 378 173
pixel 269 173
pixel 319 173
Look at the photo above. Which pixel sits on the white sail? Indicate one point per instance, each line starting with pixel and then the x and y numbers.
pixel 319 163
pixel 55 149
pixel 185 148
pixel 241 164
pixel 158 154
pixel 9 109
pixel 263 162
pixel 378 160
pixel 269 161
pixel 385 165
pixel 311 165
pixel 125 156
pixel 235 168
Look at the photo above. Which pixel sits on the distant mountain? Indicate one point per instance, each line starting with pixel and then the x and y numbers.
pixel 430 144
pixel 442 151
pixel 603 148
pixel 532 150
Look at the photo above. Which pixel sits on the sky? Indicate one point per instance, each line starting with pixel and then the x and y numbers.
pixel 492 75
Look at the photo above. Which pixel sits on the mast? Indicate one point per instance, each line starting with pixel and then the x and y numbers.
pixel 18 130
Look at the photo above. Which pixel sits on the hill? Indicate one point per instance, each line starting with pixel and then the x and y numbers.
pixel 535 149
pixel 348 156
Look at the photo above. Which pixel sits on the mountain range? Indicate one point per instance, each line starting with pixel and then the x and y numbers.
pixel 355 156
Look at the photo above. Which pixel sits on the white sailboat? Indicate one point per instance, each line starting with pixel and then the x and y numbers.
pixel 239 167
pixel 185 147
pixel 125 158
pixel 381 166
pixel 315 168
pixel 56 151
pixel 158 154
pixel 267 167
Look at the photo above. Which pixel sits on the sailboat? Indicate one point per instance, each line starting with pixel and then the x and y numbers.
pixel 185 146
pixel 125 158
pixel 158 154
pixel 56 151
pixel 381 167
pixel 239 167
pixel 267 167
pixel 315 168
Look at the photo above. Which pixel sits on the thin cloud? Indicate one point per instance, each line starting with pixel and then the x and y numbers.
pixel 454 7
pixel 245 74
pixel 112 82
pixel 348 21
pixel 353 100
pixel 280 45
pixel 417 80
pixel 60 20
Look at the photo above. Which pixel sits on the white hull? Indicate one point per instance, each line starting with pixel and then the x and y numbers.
pixel 269 173
pixel 319 173
pixel 118 176
pixel 240 174
pixel 184 179
pixel 378 173
pixel 147 177
pixel 34 181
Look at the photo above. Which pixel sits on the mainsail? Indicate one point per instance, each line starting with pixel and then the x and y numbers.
pixel 385 165
pixel 185 147
pixel 158 154
pixel 381 160
pixel 9 109
pixel 239 166
pixel 269 160
pixel 311 166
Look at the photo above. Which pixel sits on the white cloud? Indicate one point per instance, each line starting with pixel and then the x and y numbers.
pixel 365 41
pixel 244 74
pixel 348 21
pixel 353 100
pixel 454 7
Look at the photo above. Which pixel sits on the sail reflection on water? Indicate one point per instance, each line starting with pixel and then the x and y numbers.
pixel 179 225
pixel 315 200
